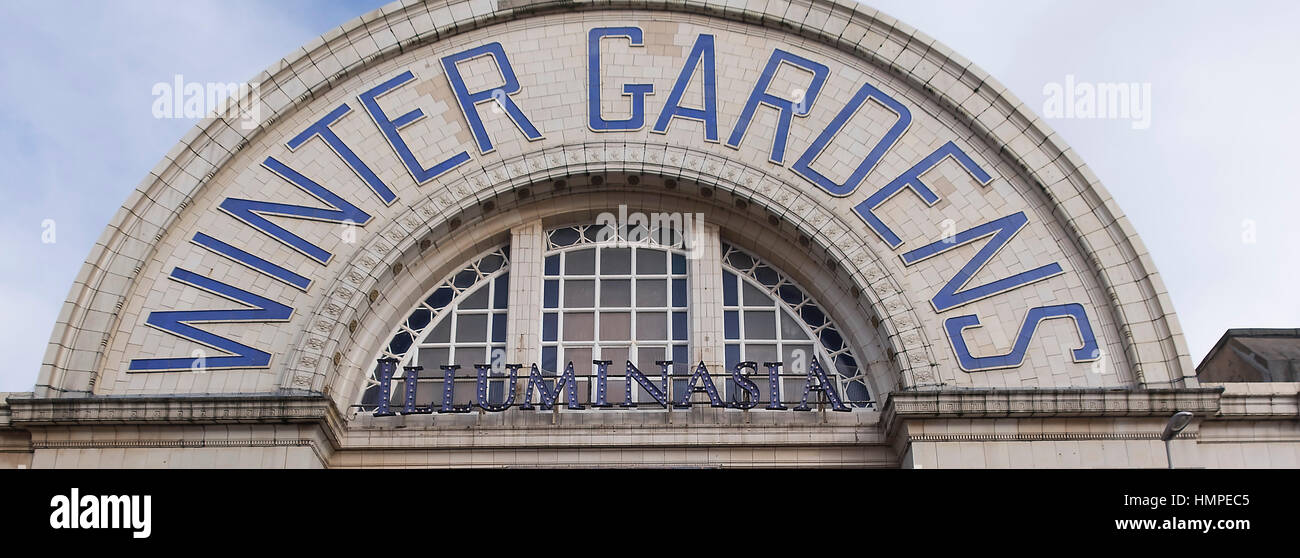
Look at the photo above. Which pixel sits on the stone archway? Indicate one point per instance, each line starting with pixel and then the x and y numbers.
pixel 126 277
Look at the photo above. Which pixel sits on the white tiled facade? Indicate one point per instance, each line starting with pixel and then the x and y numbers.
pixel 297 411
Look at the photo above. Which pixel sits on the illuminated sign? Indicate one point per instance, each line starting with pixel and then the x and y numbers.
pixel 550 388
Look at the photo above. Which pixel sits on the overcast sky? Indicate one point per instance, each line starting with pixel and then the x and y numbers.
pixel 1210 184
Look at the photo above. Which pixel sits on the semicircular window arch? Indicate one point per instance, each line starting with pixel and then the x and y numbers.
pixel 619 295
pixel 460 321
pixel 768 317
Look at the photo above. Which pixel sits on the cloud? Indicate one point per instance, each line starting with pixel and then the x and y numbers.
pixel 77 133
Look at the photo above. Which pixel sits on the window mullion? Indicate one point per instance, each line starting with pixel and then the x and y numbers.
pixel 704 299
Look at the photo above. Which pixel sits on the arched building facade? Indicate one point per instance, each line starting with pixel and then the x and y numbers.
pixel 670 197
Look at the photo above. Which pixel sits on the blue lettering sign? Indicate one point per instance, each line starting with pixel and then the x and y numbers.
pixel 745 385
pixel 411 379
pixel 803 167
pixel 483 387
pixel 550 398
pixel 701 52
pixel 253 212
pixel 786 108
pixel 469 101
pixel 1002 230
pixel 322 129
pixel 659 392
pixel 822 385
pixel 390 128
pixel 637 91
pixel 258 264
pixel 774 386
pixel 957 325
pixel 701 373
pixel 384 373
pixel 602 381
pixel 178 323
pixel 449 391
pixel 911 180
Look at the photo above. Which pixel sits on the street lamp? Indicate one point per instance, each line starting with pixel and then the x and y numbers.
pixel 1176 424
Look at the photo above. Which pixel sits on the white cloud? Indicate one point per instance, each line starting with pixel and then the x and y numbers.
pixel 77 133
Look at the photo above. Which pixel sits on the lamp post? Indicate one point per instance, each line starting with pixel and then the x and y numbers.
pixel 1176 424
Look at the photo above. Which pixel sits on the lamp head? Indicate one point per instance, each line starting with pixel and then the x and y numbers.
pixel 1176 424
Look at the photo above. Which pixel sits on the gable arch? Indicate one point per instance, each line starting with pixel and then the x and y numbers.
pixel 92 338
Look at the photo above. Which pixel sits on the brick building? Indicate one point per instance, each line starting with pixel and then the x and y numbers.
pixel 763 233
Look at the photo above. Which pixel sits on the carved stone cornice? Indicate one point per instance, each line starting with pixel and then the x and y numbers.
pixel 33 412
pixel 1047 403
pixel 1261 404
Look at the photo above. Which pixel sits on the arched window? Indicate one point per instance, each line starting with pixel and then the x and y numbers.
pixel 462 321
pixel 618 294
pixel 616 298
pixel 767 317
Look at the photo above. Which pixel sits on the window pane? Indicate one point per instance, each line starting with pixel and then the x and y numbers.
pixel 617 357
pixel 471 328
pixel 441 333
pixel 581 359
pixel 578 326
pixel 579 293
pixel 549 321
pixel 796 358
pixel 419 319
pixel 440 297
pixel 651 262
pixel 499 328
pixel 651 292
pixel 731 324
pixel 679 292
pixel 547 365
pixel 795 371
pixel 615 326
pixel 614 385
pixel 857 393
pixel 616 293
pixel 681 329
pixel 501 292
pixel 564 237
pixel 728 289
pixel 760 353
pixel 432 360
pixel 651 325
pixel 476 301
pixel 760 324
pixel 553 264
pixel 616 261
pixel 467 357
pixel 580 262
pixel 551 294
pixel 791 329
pixel 428 394
pixel 732 352
pixel 755 297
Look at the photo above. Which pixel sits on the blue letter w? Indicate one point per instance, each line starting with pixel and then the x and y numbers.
pixel 178 323
pixel 253 211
